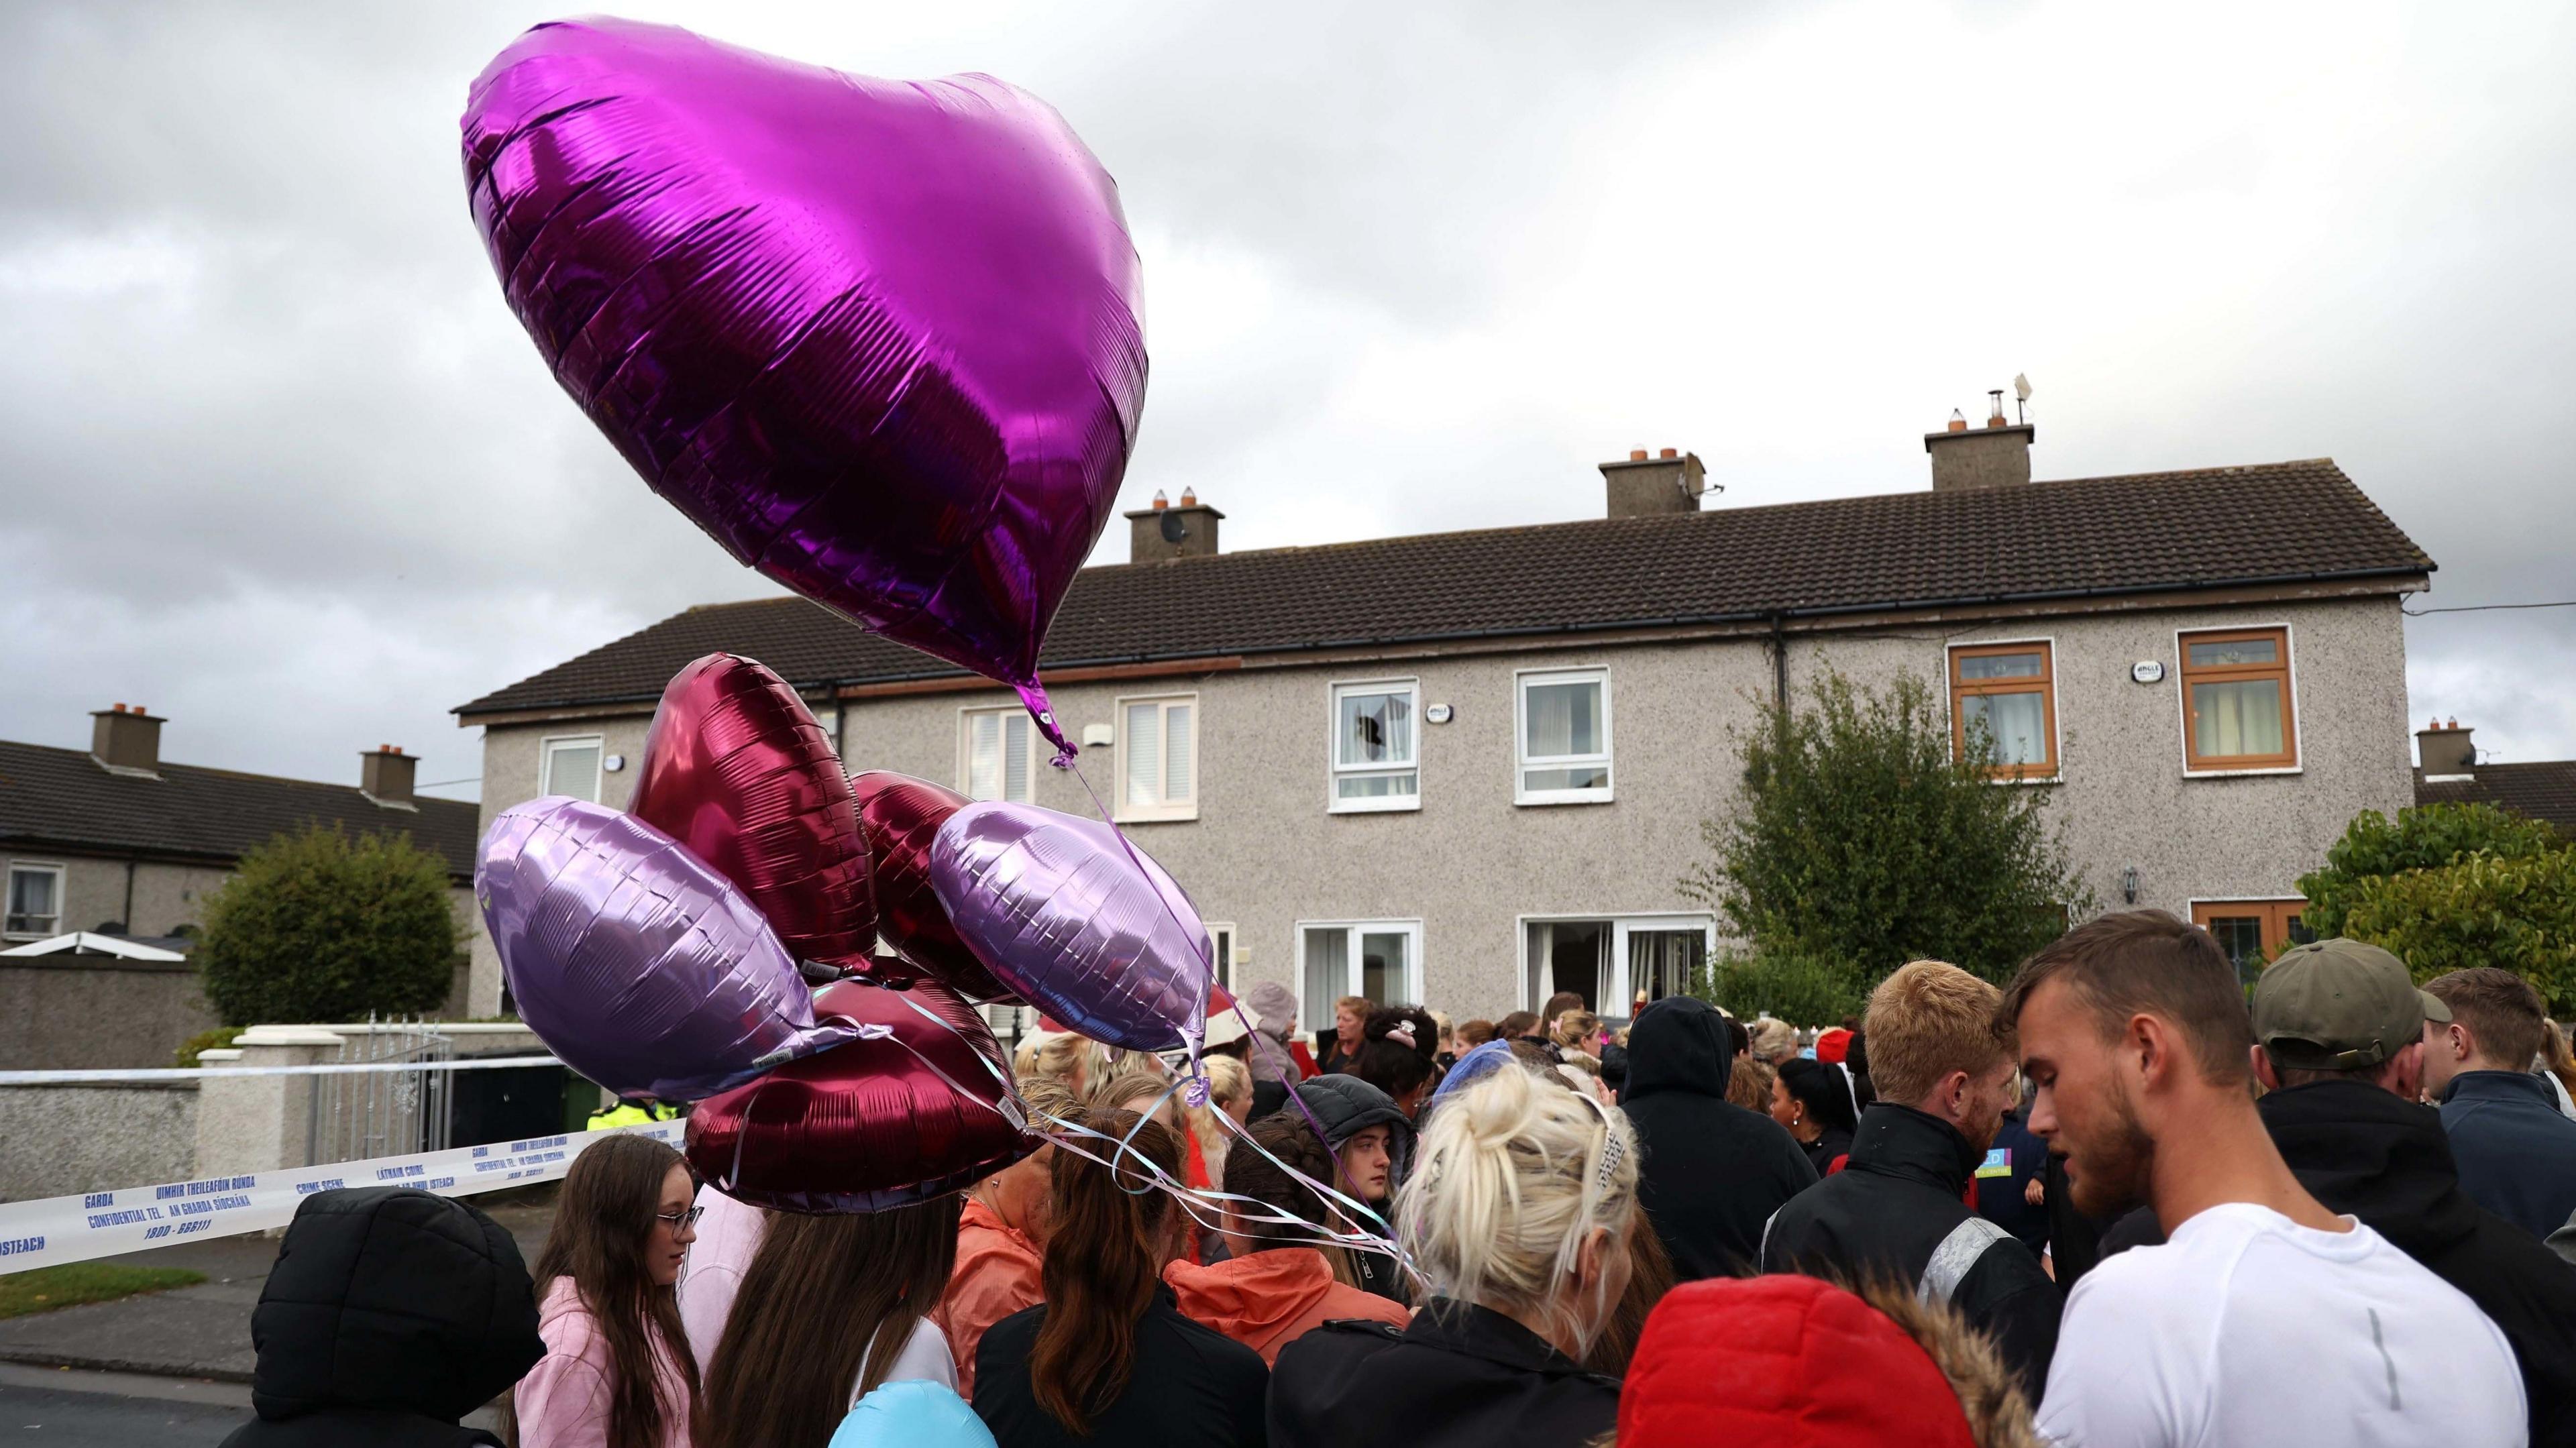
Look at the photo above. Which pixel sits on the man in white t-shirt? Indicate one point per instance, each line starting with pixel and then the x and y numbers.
pixel 2265 1318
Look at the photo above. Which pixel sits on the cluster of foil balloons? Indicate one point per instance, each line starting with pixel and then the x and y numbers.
pixel 883 341
pixel 718 942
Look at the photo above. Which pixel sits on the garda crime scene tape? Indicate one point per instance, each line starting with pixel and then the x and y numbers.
pixel 56 1230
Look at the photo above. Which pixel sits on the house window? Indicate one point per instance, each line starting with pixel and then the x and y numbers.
pixel 2252 932
pixel 993 754
pixel 1221 954
pixel 35 900
pixel 1379 959
pixel 2237 709
pixel 1616 963
pixel 1564 738
pixel 1375 763
pixel 2010 690
pixel 571 767
pixel 1158 752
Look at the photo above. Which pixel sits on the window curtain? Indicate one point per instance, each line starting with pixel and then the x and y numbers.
pixel 1376 728
pixel 1144 754
pixel 2236 718
pixel 1328 971
pixel 1564 719
pixel 2018 723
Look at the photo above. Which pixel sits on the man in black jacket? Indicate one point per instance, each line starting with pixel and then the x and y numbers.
pixel 2341 1062
pixel 1712 1172
pixel 1899 1209
pixel 390 1315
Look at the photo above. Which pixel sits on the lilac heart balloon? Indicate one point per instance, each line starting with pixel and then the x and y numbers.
pixel 1076 922
pixel 880 339
pixel 643 969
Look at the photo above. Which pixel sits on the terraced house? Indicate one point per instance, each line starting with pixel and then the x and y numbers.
pixel 1470 768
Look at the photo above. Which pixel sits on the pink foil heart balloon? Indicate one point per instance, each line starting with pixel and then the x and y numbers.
pixel 880 339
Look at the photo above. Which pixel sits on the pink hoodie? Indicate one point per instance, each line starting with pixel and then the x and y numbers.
pixel 563 1401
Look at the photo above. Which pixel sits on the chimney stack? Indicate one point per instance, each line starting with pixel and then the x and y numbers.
pixel 1994 456
pixel 1169 530
pixel 1670 482
pixel 2444 751
pixel 385 775
pixel 126 741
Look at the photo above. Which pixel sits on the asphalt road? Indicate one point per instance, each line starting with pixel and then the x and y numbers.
pixel 59 1408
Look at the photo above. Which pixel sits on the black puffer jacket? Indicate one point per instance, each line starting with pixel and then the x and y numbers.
pixel 1896 1203
pixel 390 1315
pixel 2367 1153
pixel 1459 1375
pixel 1344 1105
pixel 1712 1172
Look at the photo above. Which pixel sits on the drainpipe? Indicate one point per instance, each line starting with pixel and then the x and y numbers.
pixel 128 916
pixel 1780 664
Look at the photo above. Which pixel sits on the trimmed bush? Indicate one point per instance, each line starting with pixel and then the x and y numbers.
pixel 321 926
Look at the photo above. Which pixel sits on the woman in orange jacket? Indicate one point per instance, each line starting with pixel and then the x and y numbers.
pixel 1275 1284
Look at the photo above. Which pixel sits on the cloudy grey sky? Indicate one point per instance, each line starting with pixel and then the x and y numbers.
pixel 278 463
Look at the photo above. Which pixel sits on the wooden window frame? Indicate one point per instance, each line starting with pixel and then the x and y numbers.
pixel 966 717
pixel 2274 911
pixel 1132 811
pixel 2047 770
pixel 2283 672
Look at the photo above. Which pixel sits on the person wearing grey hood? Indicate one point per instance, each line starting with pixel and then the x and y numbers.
pixel 1372 1141
pixel 1275 1068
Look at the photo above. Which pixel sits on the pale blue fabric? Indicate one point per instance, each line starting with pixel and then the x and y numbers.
pixel 912 1414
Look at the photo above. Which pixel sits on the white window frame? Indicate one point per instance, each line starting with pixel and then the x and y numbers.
pixel 1335 771
pixel 2056 702
pixel 2182 701
pixel 1523 762
pixel 1129 811
pixel 62 884
pixel 1317 1007
pixel 546 750
pixel 1620 989
pixel 966 717
pixel 1225 954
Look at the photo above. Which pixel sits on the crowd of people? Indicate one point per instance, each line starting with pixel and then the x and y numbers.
pixel 2113 1202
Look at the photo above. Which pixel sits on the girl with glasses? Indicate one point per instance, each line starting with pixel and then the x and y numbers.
pixel 617 1371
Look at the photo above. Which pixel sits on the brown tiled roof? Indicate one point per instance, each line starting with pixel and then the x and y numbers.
pixel 2205 528
pixel 2543 790
pixel 64 799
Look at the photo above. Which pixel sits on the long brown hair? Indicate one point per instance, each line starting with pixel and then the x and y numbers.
pixel 1104 1262
pixel 602 1224
pixel 1252 1174
pixel 819 1292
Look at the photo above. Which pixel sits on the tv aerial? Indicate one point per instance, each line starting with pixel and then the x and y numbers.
pixel 2021 397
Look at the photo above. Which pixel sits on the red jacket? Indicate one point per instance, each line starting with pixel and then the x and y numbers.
pixel 1787 1362
pixel 996 1275
pixel 1269 1299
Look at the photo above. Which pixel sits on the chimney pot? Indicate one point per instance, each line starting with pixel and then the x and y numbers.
pixel 1636 454
pixel 121 709
pixel 1161 502
pixel 1669 453
pixel 1189 497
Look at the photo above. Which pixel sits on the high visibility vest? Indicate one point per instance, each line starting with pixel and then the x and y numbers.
pixel 627 1113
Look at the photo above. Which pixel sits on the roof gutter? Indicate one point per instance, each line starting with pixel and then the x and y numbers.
pixel 1757 616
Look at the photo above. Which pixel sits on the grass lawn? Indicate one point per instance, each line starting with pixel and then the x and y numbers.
pixel 74 1283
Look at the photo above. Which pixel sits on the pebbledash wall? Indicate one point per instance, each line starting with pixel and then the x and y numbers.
pixel 1264 854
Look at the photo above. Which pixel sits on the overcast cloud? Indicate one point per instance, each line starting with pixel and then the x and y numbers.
pixel 278 462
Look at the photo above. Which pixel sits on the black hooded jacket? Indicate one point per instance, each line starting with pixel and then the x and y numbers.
pixel 1344 1105
pixel 1892 1206
pixel 1712 1172
pixel 1459 1375
pixel 390 1315
pixel 2366 1152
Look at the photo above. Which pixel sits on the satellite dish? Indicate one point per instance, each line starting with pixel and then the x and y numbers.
pixel 2021 388
pixel 1174 529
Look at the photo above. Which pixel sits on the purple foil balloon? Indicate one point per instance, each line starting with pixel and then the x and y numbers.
pixel 643 969
pixel 880 339
pixel 1057 908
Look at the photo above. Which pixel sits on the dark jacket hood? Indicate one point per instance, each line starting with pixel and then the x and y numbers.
pixel 394 1300
pixel 1344 1105
pixel 2366 1152
pixel 1678 1044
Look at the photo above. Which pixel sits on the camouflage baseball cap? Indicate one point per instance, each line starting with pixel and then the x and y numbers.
pixel 2339 1005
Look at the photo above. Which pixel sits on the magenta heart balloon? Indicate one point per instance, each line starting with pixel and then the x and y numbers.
pixel 1076 922
pixel 880 339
